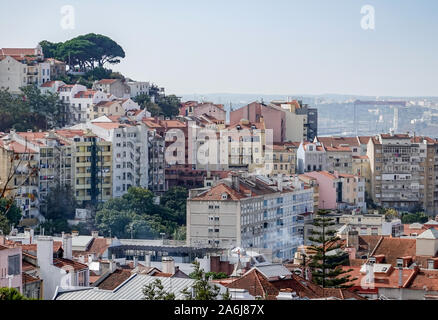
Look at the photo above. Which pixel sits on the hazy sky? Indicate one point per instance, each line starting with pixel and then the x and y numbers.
pixel 251 46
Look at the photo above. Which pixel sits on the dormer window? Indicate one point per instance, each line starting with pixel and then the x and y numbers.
pixel 372 260
pixel 399 263
pixel 224 196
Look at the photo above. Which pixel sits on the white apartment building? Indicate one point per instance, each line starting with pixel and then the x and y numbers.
pixel 80 100
pixel 115 87
pixel 22 67
pixel 311 156
pixel 130 152
pixel 138 87
pixel 249 213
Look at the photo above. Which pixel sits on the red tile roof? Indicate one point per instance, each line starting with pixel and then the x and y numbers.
pixel 393 248
pixel 17 147
pixel 107 81
pixel 60 263
pixel 17 51
pixel 216 192
pixel 338 141
pixel 70 133
pixel 85 94
pixel 364 139
pixel 114 279
pixel 387 280
pixel 48 84
pixel 256 284
pixel 57 245
pixel 27 278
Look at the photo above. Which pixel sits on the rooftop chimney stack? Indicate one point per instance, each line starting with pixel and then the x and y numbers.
pixel 353 239
pixel 168 265
pixel 95 234
pixel 400 277
pixel 147 259
pixel 44 251
pixel 235 182
pixel 135 261
pixel 67 246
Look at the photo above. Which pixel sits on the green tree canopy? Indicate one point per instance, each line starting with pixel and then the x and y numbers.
pixel 202 289
pixel 408 218
pixel 60 203
pixel 136 214
pixel 155 291
pixel 11 294
pixel 10 211
pixel 85 51
pixel 31 110
pixel 175 199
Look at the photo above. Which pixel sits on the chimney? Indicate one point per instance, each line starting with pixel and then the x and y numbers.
pixel 44 251
pixel 400 277
pixel 353 239
pixel 135 261
pixel 67 246
pixel 147 260
pixel 280 182
pixel 75 233
pixel 2 239
pixel 168 265
pixel 235 182
pixel 31 240
pixel 95 234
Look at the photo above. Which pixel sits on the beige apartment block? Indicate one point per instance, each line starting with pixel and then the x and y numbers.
pixel 403 172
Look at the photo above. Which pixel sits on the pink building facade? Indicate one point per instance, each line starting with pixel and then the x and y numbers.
pixel 10 266
pixel 192 108
pixel 340 191
pixel 328 189
pixel 274 118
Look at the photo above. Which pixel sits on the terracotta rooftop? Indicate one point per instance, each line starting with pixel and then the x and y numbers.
pixel 27 278
pixel 114 279
pixel 48 84
pixel 85 94
pixel 364 139
pixel 70 133
pixel 243 125
pixel 111 125
pixel 57 245
pixel 381 280
pixel 106 81
pixel 60 263
pixel 256 284
pixel 393 248
pixel 106 104
pixel 216 193
pixel 17 147
pixel 338 141
pixel 337 149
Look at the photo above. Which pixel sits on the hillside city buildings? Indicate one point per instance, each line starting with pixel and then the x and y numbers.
pixel 255 184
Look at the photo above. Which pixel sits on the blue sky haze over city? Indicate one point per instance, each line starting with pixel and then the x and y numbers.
pixel 275 47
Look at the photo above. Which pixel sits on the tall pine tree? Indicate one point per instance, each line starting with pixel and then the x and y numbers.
pixel 327 260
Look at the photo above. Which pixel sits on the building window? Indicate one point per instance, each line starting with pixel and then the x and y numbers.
pixel 14 265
